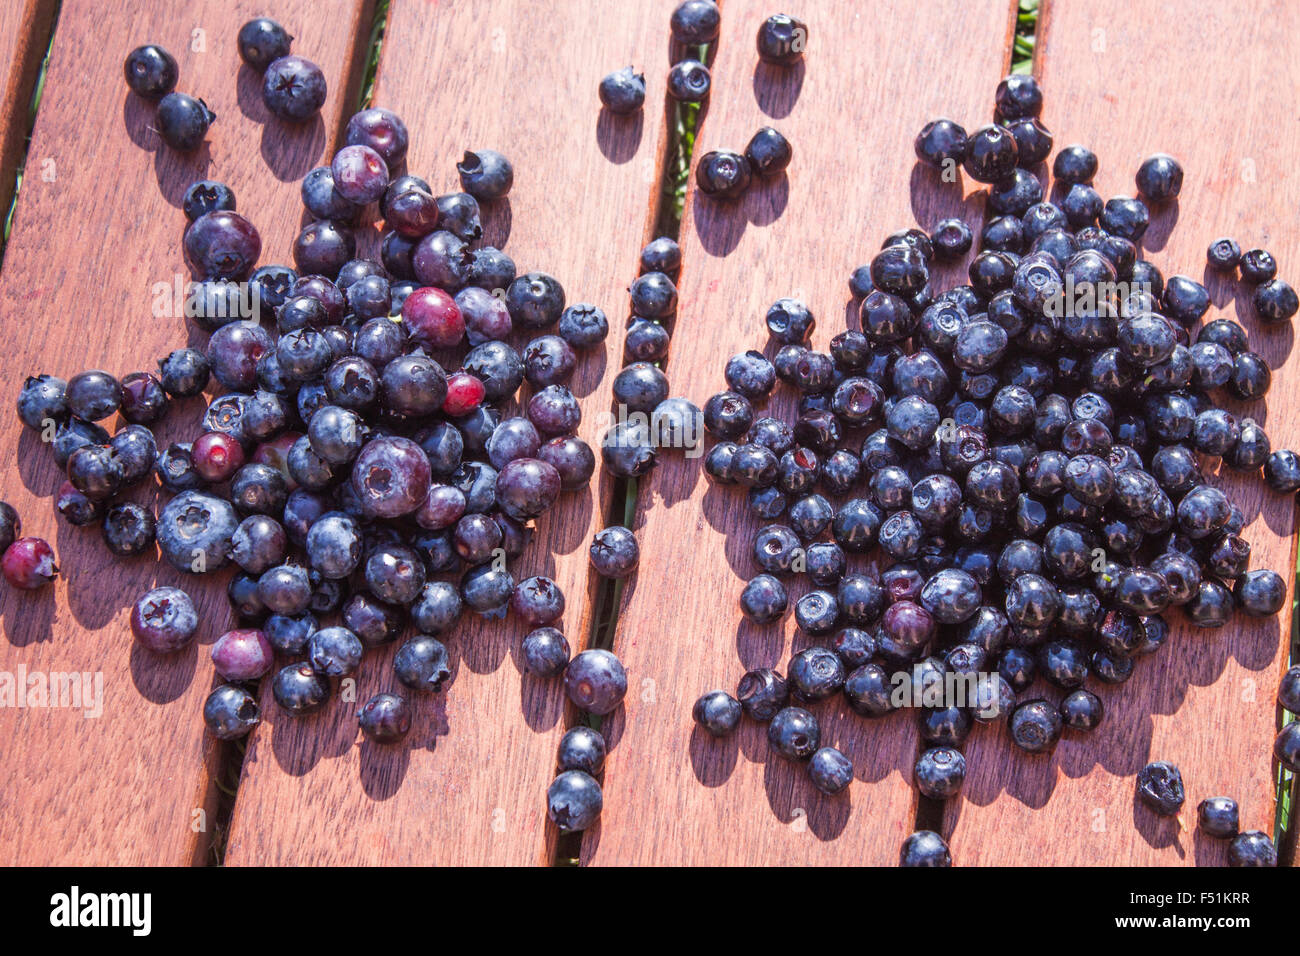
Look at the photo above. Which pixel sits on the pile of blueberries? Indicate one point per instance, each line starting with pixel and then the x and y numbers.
pixel 1026 450
pixel 361 489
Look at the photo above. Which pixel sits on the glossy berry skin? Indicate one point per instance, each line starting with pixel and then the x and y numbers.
pixel 768 152
pixel 574 801
pixel 1035 726
pixel 546 652
pixel 623 91
pixel 614 552
pixel 762 693
pixel 385 718
pixel 391 477
pixel 722 174
pixel 1260 593
pixel 794 733
pixel 1218 817
pixel 1275 302
pixel 381 130
pixel 93 395
pixel 1160 787
pixel 294 88
pixel 485 174
pixel 1257 266
pixel 581 748
pixel 830 771
pixel 764 599
pixel 150 71
pixel 689 81
pixel 1018 96
pixel 129 529
pixel 230 712
pixel 695 22
pixel 1081 710
pixel 334 651
pixel 782 40
pixel 991 155
pixel 299 689
pixel 1286 747
pixel 1288 691
pixel 183 121
pixel 1074 164
pixel 941 142
pixel 29 564
pixel 816 673
pixel 595 681
pixel 924 848
pixel 1223 255
pixel 360 174
pixel 73 506
pixel 718 713
pixel 1160 178
pixel 242 655
pixel 261 41
pixel 43 398
pixel 1252 848
pixel 164 620
pixel 222 244
pixel 940 772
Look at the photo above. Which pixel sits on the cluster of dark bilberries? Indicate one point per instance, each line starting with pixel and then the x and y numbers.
pixel 293 88
pixel 1024 451
pixel 343 471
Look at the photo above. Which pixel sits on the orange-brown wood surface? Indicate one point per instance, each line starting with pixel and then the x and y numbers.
pixel 1128 81
pixel 24 36
pixel 867 83
pixel 98 224
pixel 469 783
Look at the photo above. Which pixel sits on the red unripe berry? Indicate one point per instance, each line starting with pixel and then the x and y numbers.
pixel 433 319
pixel 28 563
pixel 217 456
pixel 464 394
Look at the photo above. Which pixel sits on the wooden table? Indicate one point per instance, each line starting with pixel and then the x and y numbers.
pixel 97 225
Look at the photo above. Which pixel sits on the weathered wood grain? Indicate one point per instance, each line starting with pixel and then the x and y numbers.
pixel 1129 81
pixel 868 82
pixel 469 785
pixel 24 37
pixel 98 224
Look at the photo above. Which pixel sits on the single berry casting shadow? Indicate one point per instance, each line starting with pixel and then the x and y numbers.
pixel 776 88
pixel 619 137
pixel 712 760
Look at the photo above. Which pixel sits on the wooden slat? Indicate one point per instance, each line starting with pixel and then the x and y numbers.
pixel 673 795
pixel 520 77
pixel 1129 81
pixel 24 37
pixel 98 224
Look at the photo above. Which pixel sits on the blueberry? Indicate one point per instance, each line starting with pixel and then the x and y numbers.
pixel 164 620
pixel 1257 266
pixel 816 673
pixel 1081 710
pixel 623 91
pixel 722 174
pixel 183 121
pixel 293 88
pixel 150 71
pixel 1159 178
pixel 940 772
pixel 1223 255
pixel 924 848
pixel 385 718
pixel 941 142
pixel 689 81
pixel 299 689
pixel 574 801
pixel 695 22
pixel 581 748
pixel 614 552
pixel 230 712
pixel 595 681
pixel 782 40
pixel 1286 748
pixel 992 154
pixel 1035 725
pixel 334 651
pixel 768 152
pixel 422 664
pixel 1217 817
pixel 194 531
pixel 1252 848
pixel 546 652
pixel 1160 786
pixel 830 771
pixel 485 174
pixel 794 733
pixel 718 713
pixel 129 529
